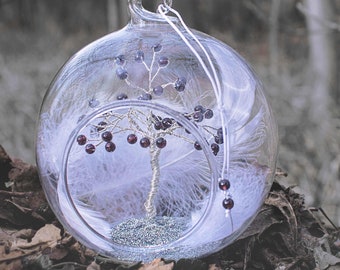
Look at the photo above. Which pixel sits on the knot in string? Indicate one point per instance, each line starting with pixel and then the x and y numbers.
pixel 166 6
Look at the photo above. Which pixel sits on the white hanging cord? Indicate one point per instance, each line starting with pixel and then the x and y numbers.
pixel 167 4
pixel 163 9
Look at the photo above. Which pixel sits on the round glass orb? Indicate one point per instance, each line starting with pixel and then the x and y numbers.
pixel 142 154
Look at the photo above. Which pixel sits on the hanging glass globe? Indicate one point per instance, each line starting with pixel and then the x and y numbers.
pixel 156 141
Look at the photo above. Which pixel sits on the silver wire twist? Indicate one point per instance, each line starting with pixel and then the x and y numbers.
pixel 149 203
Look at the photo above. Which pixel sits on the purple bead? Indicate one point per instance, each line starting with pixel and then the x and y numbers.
pixel 145 142
pixel 220 132
pixel 122 96
pixel 93 102
pixel 158 125
pixel 101 126
pixel 132 139
pixel 215 148
pixel 161 143
pixel 224 184
pixel 81 139
pixel 208 114
pixel 228 203
pixel 158 90
pixel 219 140
pixel 110 147
pixel 199 108
pixel 107 136
pixel 157 47
pixel 163 61
pixel 139 58
pixel 198 117
pixel 121 73
pixel 167 122
pixel 180 84
pixel 90 148
pixel 145 96
pixel 197 146
pixel 120 60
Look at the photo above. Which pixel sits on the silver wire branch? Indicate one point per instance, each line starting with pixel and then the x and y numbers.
pixel 150 201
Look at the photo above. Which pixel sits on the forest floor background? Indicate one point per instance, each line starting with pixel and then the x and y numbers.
pixel 35 44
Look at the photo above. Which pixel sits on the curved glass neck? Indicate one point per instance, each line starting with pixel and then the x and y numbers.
pixel 141 16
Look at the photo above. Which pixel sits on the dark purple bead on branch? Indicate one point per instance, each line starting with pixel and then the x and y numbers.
pixel 93 102
pixel 139 58
pixel 163 61
pixel 208 114
pixel 161 143
pixel 145 96
pixel 145 142
pixel 120 60
pixel 158 125
pixel 157 47
pixel 220 132
pixel 197 146
pixel 180 84
pixel 199 108
pixel 198 117
pixel 81 139
pixel 219 139
pixel 132 139
pixel 228 203
pixel 224 184
pixel 90 148
pixel 107 136
pixel 101 126
pixel 121 73
pixel 215 148
pixel 110 147
pixel 167 122
pixel 122 96
pixel 158 90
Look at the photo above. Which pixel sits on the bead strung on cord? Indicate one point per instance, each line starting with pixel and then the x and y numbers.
pixel 227 203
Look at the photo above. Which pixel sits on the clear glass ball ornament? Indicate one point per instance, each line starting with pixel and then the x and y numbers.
pixel 153 142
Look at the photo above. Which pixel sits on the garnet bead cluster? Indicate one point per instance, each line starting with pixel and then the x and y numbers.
pixel 139 58
pixel 160 123
pixel 107 137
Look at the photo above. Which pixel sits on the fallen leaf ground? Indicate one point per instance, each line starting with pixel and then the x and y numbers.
pixel 284 235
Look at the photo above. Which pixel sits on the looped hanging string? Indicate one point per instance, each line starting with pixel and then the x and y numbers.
pixel 163 9
pixel 167 4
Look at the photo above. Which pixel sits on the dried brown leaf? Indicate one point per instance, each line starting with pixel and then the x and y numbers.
pixel 324 259
pixel 58 253
pixel 264 220
pixel 20 216
pixel 24 176
pixel 93 266
pixel 49 235
pixel 248 251
pixel 157 264
pixel 14 265
pixel 279 201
